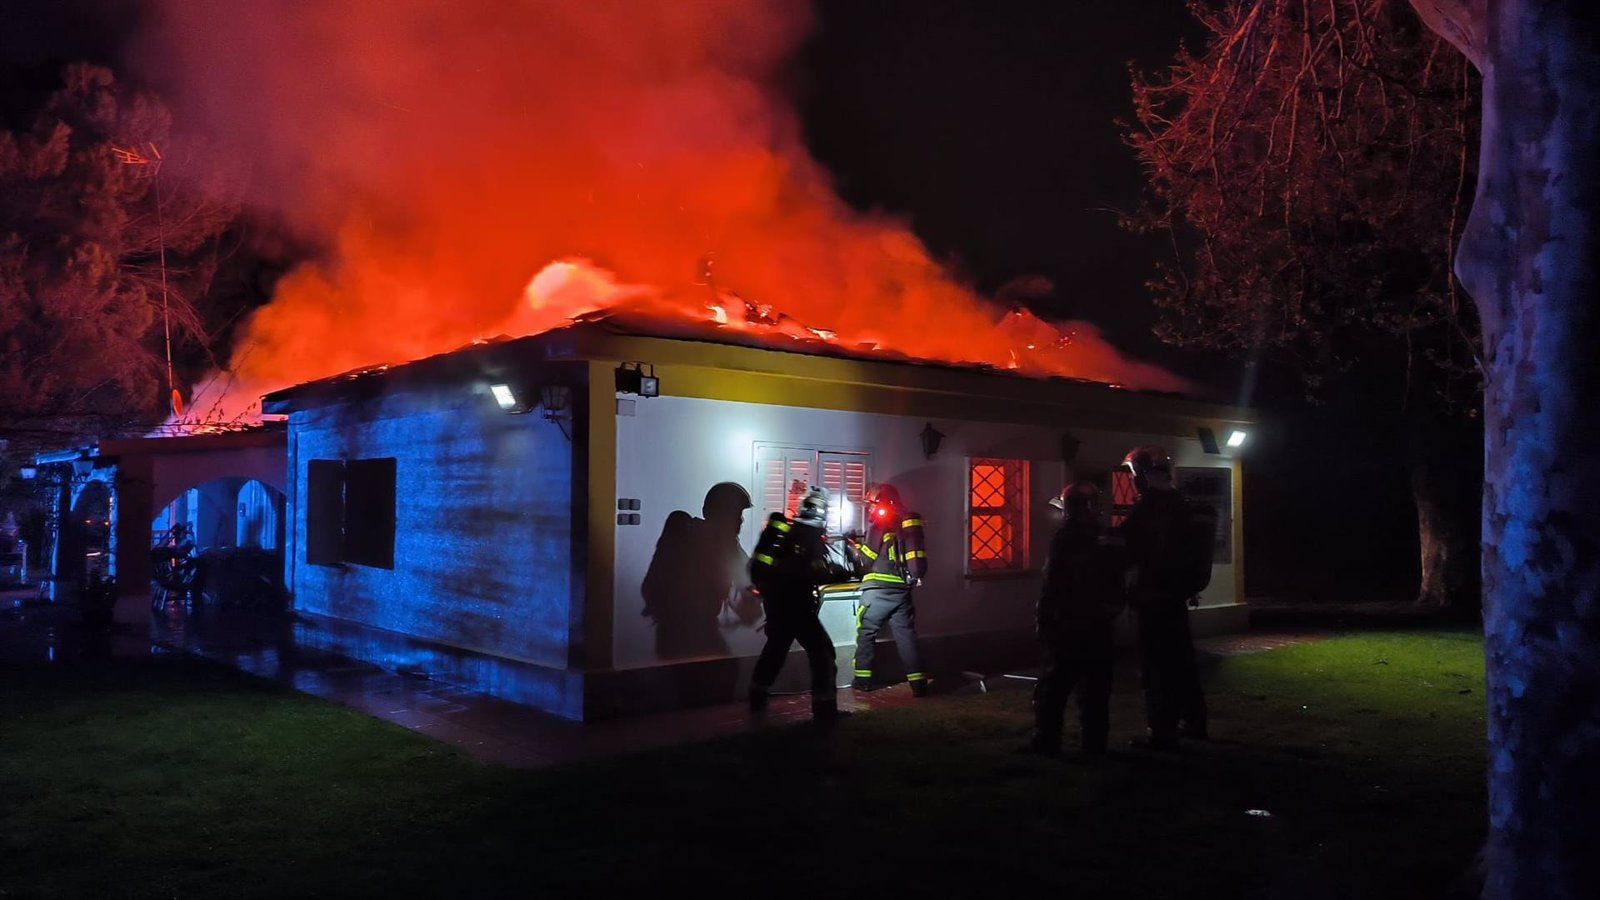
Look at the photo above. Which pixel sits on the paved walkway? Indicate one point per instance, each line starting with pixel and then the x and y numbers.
pixel 491 730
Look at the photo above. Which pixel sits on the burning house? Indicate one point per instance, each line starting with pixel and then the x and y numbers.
pixel 559 519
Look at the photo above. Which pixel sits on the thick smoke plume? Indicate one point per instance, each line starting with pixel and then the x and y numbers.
pixel 473 168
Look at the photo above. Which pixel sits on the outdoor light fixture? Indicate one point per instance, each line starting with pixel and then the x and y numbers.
pixel 82 466
pixel 633 379
pixel 554 398
pixel 1208 440
pixel 504 396
pixel 931 439
pixel 1069 446
pixel 1236 439
pixel 28 473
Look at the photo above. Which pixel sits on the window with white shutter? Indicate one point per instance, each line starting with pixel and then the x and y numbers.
pixel 844 477
pixel 784 473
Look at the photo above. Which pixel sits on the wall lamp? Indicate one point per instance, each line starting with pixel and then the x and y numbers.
pixel 633 379
pixel 1070 445
pixel 555 398
pixel 931 438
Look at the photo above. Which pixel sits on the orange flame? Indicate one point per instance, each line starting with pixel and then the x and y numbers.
pixel 451 158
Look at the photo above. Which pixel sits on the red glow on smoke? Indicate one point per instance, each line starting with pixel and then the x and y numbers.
pixel 483 168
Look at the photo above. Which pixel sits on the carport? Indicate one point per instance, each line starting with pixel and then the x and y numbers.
pixel 109 497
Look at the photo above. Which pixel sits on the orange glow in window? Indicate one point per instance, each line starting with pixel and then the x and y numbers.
pixel 998 515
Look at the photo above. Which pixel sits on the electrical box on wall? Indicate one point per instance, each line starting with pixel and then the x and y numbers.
pixel 628 518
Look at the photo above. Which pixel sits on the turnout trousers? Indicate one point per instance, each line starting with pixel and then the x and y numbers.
pixel 795 619
pixel 1083 661
pixel 1172 693
pixel 888 605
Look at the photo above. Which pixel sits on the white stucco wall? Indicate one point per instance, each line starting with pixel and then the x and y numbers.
pixel 672 449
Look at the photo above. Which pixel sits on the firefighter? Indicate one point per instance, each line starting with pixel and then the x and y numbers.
pixel 790 561
pixel 1083 595
pixel 892 559
pixel 1163 553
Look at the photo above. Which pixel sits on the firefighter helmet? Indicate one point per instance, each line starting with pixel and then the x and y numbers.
pixel 1080 499
pixel 1151 468
pixel 1148 458
pixel 814 507
pixel 884 502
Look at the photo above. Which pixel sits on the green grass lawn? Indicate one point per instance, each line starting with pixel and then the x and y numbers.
pixel 174 777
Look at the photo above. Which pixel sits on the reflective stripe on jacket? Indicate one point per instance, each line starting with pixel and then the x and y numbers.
pixel 894 554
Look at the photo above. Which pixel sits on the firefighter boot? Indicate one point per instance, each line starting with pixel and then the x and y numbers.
pixel 758 699
pixel 826 711
pixel 1042 745
pixel 919 684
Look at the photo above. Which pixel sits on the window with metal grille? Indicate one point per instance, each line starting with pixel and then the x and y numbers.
pixel 1123 495
pixel 997 515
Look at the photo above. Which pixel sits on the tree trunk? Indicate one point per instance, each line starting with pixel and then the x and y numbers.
pixel 1529 260
pixel 1447 487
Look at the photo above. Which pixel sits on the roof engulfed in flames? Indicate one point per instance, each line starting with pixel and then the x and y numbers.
pixel 578 155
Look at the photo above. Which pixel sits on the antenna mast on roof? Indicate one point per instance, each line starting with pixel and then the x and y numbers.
pixel 153 160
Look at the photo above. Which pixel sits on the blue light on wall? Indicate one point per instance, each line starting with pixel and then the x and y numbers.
pixel 483 525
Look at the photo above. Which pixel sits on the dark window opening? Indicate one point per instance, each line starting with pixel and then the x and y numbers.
pixel 350 512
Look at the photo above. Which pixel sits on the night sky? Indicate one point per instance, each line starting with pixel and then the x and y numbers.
pixel 993 127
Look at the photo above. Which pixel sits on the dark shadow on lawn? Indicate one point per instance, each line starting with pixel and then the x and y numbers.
pixel 177 777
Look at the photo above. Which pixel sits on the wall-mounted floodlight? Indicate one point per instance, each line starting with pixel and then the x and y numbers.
pixel 28 473
pixel 1208 440
pixel 1236 439
pixel 509 399
pixel 633 379
pixel 504 395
